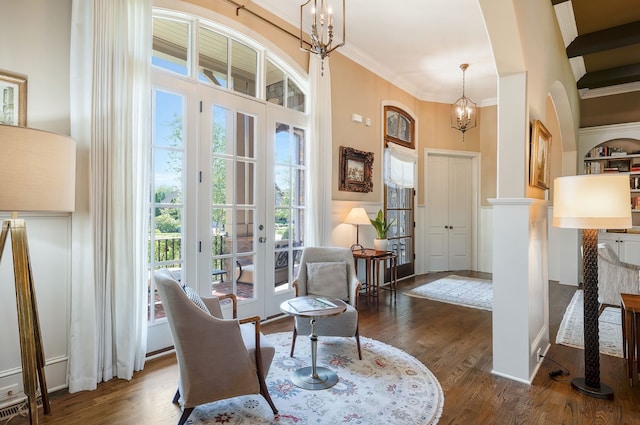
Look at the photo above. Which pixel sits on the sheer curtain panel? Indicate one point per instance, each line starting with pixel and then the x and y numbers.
pixel 319 209
pixel 110 116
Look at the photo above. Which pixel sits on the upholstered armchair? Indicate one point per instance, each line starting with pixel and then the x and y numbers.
pixel 217 358
pixel 615 277
pixel 330 272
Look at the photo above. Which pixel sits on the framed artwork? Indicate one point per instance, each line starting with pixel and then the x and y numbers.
pixel 539 169
pixel 356 169
pixel 13 99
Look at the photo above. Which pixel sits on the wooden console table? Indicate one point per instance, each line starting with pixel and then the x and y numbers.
pixel 630 309
pixel 373 259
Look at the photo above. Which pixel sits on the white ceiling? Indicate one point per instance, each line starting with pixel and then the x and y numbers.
pixel 417 45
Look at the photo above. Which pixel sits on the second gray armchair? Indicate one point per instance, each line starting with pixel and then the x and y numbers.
pixel 330 272
pixel 615 277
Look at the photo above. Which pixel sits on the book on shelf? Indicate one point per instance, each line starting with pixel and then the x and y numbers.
pixel 610 169
pixel 305 304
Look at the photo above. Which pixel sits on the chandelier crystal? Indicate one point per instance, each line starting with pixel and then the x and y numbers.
pixel 321 35
pixel 463 111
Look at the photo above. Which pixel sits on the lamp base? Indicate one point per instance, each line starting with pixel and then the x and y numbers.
pixel 357 246
pixel 604 391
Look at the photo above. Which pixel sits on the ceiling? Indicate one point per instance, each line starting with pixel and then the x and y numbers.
pixel 603 44
pixel 419 44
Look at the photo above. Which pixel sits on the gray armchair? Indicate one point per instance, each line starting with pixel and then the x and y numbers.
pixel 346 287
pixel 217 358
pixel 615 277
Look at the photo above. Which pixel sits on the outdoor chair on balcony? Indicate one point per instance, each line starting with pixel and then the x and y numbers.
pixel 329 272
pixel 218 358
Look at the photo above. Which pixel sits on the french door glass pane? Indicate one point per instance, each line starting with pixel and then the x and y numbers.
pixel 233 203
pixel 289 177
pixel 165 237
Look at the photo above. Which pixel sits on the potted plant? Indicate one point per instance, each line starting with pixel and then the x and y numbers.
pixel 382 227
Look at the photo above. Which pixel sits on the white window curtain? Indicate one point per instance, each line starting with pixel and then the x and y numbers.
pixel 399 166
pixel 110 116
pixel 318 223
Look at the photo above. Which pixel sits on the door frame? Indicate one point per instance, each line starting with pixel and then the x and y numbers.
pixel 475 202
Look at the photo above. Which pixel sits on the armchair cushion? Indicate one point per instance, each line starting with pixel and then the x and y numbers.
pixel 328 279
pixel 195 298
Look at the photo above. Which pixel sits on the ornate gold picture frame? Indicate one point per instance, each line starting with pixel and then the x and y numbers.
pixel 539 169
pixel 356 169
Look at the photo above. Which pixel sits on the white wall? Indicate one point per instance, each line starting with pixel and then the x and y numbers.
pixel 36 36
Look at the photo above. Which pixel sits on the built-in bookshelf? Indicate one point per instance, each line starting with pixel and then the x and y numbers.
pixel 618 156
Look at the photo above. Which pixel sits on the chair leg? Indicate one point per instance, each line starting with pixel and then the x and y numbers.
pixel 265 393
pixel 358 343
pixel 185 415
pixel 176 397
pixel 293 341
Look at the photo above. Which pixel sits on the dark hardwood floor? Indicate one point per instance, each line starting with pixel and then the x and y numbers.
pixel 453 342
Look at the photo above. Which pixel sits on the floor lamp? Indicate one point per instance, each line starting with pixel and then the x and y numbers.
pixel 37 173
pixel 591 202
pixel 357 216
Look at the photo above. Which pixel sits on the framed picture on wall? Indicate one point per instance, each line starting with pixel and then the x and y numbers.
pixel 539 169
pixel 355 170
pixel 13 99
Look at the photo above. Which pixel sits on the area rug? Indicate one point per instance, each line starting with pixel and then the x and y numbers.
pixel 571 331
pixel 388 386
pixel 453 289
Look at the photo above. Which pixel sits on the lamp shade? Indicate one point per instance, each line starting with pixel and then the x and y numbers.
pixel 357 216
pixel 592 201
pixel 37 170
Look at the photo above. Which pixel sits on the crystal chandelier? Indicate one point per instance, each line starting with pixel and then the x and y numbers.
pixel 321 34
pixel 463 111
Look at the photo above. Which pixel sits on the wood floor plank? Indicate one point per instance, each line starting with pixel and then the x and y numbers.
pixel 453 342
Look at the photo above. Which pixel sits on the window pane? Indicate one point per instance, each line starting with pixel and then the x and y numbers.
pixel 282 179
pixel 282 149
pixel 170 45
pixel 168 113
pixel 298 146
pixel 246 135
pixel 244 65
pixel 222 130
pixel 281 219
pixel 275 84
pixel 221 178
pixel 297 227
pixel 298 188
pixel 244 182
pixel 213 54
pixel 295 97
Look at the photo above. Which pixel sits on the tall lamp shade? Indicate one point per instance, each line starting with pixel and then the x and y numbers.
pixel 357 216
pixel 591 202
pixel 37 173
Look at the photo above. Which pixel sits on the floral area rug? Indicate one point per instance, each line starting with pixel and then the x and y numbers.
pixel 388 386
pixel 571 330
pixel 453 289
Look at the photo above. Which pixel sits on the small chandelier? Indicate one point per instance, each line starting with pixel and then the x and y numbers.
pixel 321 28
pixel 463 111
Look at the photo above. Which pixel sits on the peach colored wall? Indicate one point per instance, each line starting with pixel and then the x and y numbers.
pixel 488 126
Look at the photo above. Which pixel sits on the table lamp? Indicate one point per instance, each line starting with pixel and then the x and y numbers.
pixel 357 216
pixel 37 173
pixel 591 202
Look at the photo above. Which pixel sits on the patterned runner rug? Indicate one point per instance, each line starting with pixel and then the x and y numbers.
pixel 453 289
pixel 388 386
pixel 571 331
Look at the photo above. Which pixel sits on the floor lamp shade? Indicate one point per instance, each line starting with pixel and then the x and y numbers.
pixel 37 173
pixel 37 170
pixel 591 202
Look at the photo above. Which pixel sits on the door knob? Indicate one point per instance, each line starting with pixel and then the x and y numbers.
pixel 262 239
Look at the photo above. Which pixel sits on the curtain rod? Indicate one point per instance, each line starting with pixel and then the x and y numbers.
pixel 240 7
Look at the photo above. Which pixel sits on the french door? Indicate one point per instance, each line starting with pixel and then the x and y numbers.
pixel 229 184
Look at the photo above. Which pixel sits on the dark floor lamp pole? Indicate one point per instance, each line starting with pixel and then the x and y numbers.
pixel 591 202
